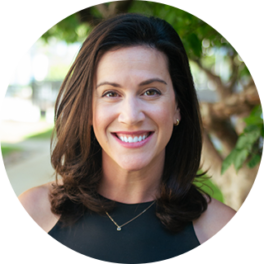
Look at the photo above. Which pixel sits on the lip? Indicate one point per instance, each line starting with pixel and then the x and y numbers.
pixel 134 144
pixel 132 132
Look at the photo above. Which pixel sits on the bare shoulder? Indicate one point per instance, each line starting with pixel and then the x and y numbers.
pixel 212 220
pixel 36 202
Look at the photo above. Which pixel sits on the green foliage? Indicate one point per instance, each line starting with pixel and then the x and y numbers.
pixel 42 135
pixel 8 150
pixel 69 29
pixel 64 30
pixel 249 144
pixel 192 30
pixel 196 44
pixel 243 70
pixel 209 187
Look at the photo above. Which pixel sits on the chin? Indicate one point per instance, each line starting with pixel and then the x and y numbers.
pixel 135 165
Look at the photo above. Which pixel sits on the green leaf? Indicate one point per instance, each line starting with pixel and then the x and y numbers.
pixel 253 136
pixel 262 131
pixel 255 116
pixel 256 111
pixel 249 137
pixel 254 161
pixel 251 128
pixel 195 44
pixel 244 71
pixel 244 142
pixel 240 158
pixel 253 120
pixel 228 161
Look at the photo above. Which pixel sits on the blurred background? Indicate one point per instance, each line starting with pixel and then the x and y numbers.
pixel 28 112
pixel 229 102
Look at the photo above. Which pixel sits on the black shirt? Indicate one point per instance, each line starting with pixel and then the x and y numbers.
pixel 143 240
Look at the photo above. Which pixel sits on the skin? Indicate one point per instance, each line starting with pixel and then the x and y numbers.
pixel 128 98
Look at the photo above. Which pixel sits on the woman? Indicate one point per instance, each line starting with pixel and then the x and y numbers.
pixel 128 146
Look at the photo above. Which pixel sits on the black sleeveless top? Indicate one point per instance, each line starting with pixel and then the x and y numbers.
pixel 143 240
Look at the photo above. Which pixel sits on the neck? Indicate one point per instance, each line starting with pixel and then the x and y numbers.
pixel 131 187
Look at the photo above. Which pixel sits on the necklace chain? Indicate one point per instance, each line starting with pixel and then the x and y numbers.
pixel 119 226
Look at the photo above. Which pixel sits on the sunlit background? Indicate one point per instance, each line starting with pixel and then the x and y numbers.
pixel 33 89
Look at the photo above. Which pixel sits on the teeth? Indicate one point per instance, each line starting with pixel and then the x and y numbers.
pixel 132 140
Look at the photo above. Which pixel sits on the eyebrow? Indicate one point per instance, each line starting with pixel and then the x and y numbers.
pixel 141 84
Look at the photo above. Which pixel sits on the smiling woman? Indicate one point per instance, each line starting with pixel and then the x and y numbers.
pixel 128 147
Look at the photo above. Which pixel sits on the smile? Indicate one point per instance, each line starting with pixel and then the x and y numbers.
pixel 133 139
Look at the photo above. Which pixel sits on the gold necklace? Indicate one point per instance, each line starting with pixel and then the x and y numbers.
pixel 119 226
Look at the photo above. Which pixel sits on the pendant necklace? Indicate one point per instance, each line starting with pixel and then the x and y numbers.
pixel 119 227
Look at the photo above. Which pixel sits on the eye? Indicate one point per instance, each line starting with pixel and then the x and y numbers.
pixel 110 94
pixel 148 91
pixel 152 90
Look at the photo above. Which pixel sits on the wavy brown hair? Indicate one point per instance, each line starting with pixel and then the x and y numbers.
pixel 76 154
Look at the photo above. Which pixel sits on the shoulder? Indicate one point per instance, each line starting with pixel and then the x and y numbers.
pixel 212 220
pixel 36 202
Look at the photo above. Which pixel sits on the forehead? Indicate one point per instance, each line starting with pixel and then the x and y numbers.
pixel 139 60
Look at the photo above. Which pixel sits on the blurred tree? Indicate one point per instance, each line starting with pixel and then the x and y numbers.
pixel 224 120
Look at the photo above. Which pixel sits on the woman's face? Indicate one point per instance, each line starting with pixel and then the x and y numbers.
pixel 134 107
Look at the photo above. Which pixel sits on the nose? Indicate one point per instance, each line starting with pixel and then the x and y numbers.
pixel 131 112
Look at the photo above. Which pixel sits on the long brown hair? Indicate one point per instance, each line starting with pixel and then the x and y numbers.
pixel 76 154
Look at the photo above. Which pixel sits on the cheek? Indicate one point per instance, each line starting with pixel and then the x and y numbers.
pixel 163 114
pixel 163 117
pixel 102 118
